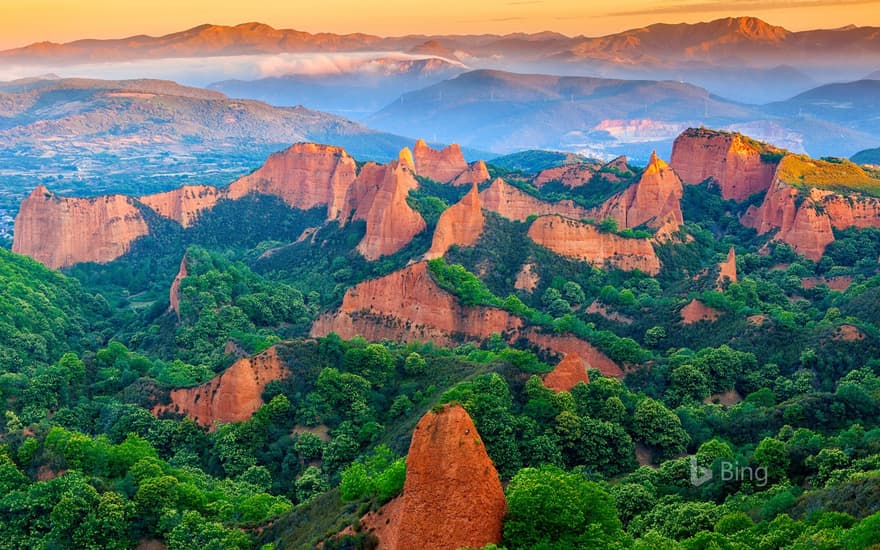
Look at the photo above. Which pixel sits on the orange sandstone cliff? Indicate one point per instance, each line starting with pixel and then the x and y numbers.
pixel 408 305
pixel 305 176
pixel 567 374
pixel 733 161
pixel 477 172
pixel 443 166
pixel 461 224
pixel 60 231
pixel 655 200
pixel 185 204
pixel 233 396
pixel 727 269
pixel 585 242
pixel 391 222
pixel 570 175
pixel 452 497
pixel 515 204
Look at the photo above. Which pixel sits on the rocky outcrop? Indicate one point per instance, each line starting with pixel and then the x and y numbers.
pixel 727 268
pixel 739 165
pixel 527 279
pixel 804 213
pixel 60 231
pixel 452 497
pixel 515 204
pixel 797 220
pixel 570 175
pixel 233 396
pixel 477 172
pixel 391 222
pixel 174 291
pixel 304 176
pixel 839 283
pixel 185 204
pixel 585 242
pixel 461 224
pixel 443 166
pixel 696 311
pixel 569 345
pixel 655 200
pixel 567 374
pixel 407 305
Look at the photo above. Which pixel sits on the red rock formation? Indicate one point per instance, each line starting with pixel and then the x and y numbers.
pixel 443 166
pixel 696 311
pixel 60 231
pixel 570 345
pixel 452 497
pixel 839 283
pixel 732 160
pixel 803 226
pixel 515 204
pixel 391 222
pixel 527 279
pixel 567 374
pixel 461 224
pixel 570 175
pixel 304 176
pixel 233 396
pixel 184 205
pixel 804 216
pixel 407 305
pixel 728 268
pixel 477 172
pixel 174 292
pixel 655 199
pixel 585 242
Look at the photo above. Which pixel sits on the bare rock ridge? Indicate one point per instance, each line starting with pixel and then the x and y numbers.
pixel 461 224
pixel 174 291
pixel 443 166
pixel 585 242
pixel 60 231
pixel 515 204
pixel 233 396
pixel 696 311
pixel 570 175
pixel 739 165
pixel 567 374
pixel 477 172
pixel 185 204
pixel 654 200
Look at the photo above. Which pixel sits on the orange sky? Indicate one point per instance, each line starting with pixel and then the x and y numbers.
pixel 26 21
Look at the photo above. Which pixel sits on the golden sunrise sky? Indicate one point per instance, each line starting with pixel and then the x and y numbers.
pixel 25 21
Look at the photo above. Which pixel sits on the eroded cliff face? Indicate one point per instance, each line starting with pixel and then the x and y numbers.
pixel 233 396
pixel 60 231
pixel 567 374
pixel 391 222
pixel 174 291
pixel 304 176
pixel 477 172
pixel 655 200
pixel 407 305
pixel 696 311
pixel 461 224
pixel 569 175
pixel 443 166
pixel 452 497
pixel 727 271
pixel 732 160
pixel 585 242
pixel 514 204
pixel 186 204
pixel 807 229
pixel 570 345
